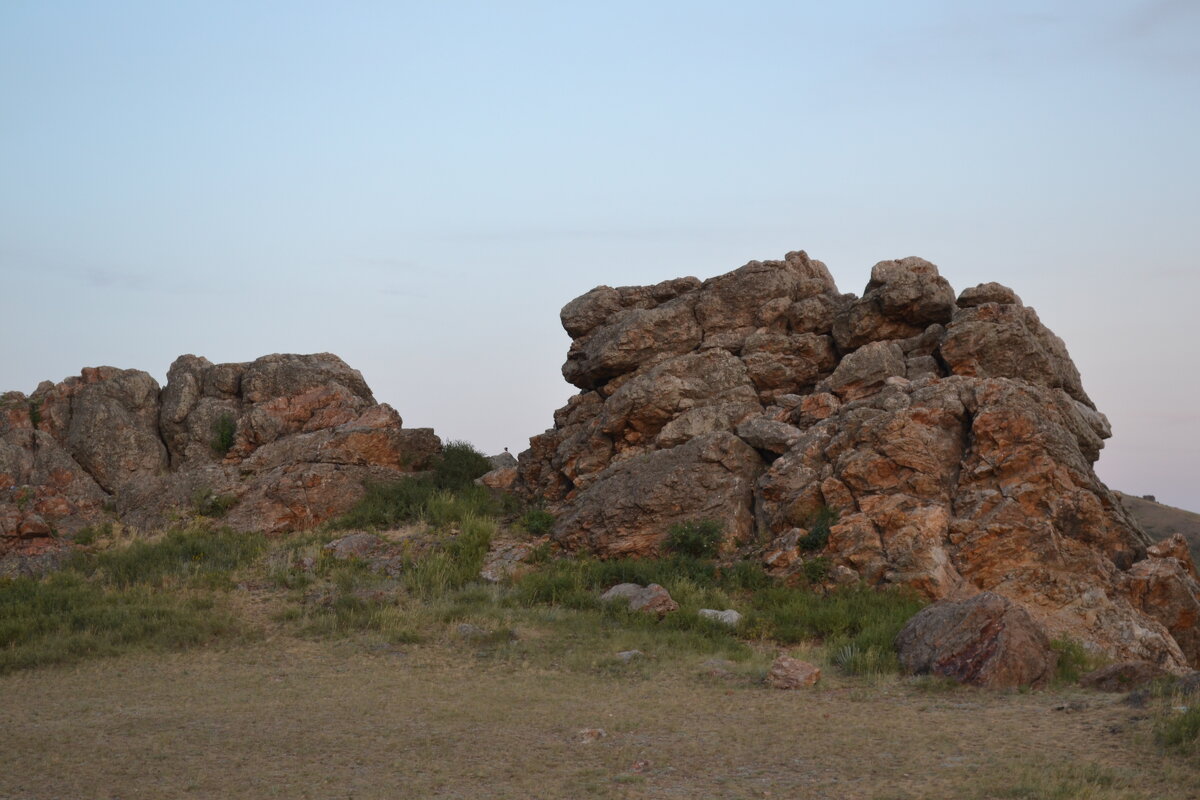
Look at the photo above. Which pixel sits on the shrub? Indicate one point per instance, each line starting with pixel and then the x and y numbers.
pixel 698 538
pixel 458 465
pixel 1073 661
pixel 1179 730
pixel 537 521
pixel 816 569
pixel 818 529
pixel 91 533
pixel 223 431
pixel 207 504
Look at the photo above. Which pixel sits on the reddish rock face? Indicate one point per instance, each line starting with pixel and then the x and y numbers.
pixel 289 438
pixel 952 440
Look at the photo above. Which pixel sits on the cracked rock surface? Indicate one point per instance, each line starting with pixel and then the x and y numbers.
pixel 951 436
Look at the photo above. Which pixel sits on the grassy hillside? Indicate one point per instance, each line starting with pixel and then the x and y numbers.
pixel 1160 521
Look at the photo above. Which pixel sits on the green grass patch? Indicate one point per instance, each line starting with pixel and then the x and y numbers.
pixel 417 499
pixel 195 555
pixel 1179 729
pixel 66 618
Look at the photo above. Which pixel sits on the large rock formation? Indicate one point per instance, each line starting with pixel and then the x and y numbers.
pixel 286 440
pixel 950 439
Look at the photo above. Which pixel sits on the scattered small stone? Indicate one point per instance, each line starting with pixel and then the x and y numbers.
pixel 728 616
pixel 792 673
pixel 630 655
pixel 589 735
pixel 468 631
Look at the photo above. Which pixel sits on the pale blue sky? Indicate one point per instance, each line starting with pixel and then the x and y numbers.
pixel 419 187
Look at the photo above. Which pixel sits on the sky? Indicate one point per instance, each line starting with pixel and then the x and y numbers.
pixel 419 187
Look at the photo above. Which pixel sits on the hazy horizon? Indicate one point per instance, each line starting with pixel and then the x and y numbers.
pixel 420 188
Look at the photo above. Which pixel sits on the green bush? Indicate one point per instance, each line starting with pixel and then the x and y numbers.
pixel 537 521
pixel 458 465
pixel 818 526
pixel 816 570
pixel 223 431
pixel 697 538
pixel 91 533
pixel 1073 661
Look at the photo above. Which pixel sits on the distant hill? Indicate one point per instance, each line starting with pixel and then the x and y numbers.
pixel 1160 521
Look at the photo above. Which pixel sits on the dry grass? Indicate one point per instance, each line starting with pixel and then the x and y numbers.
pixel 305 719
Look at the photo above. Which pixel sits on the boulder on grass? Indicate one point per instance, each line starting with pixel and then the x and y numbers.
pixel 652 599
pixel 986 641
pixel 792 673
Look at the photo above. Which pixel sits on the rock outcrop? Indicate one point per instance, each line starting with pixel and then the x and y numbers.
pixel 285 442
pixel 949 439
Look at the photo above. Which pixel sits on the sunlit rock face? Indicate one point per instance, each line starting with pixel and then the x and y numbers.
pixel 285 442
pixel 951 437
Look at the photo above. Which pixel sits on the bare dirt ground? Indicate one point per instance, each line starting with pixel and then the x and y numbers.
pixel 290 718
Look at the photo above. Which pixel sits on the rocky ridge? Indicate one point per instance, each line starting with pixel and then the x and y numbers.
pixel 948 437
pixel 284 442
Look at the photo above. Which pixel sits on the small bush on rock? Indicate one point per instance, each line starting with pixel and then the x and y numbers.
pixel 818 529
pixel 224 430
pixel 458 465
pixel 698 539
pixel 537 521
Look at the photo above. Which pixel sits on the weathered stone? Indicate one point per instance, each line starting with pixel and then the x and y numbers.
pixel 502 460
pixel 507 558
pixel 500 479
pixel 985 641
pixel 902 299
pixel 652 599
pixel 768 434
pixel 866 370
pixel 792 673
pixel 987 293
pixel 728 617
pixel 1009 341
pixel 630 507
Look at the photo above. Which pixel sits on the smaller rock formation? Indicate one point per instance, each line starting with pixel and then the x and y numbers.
pixel 285 442
pixel 985 641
